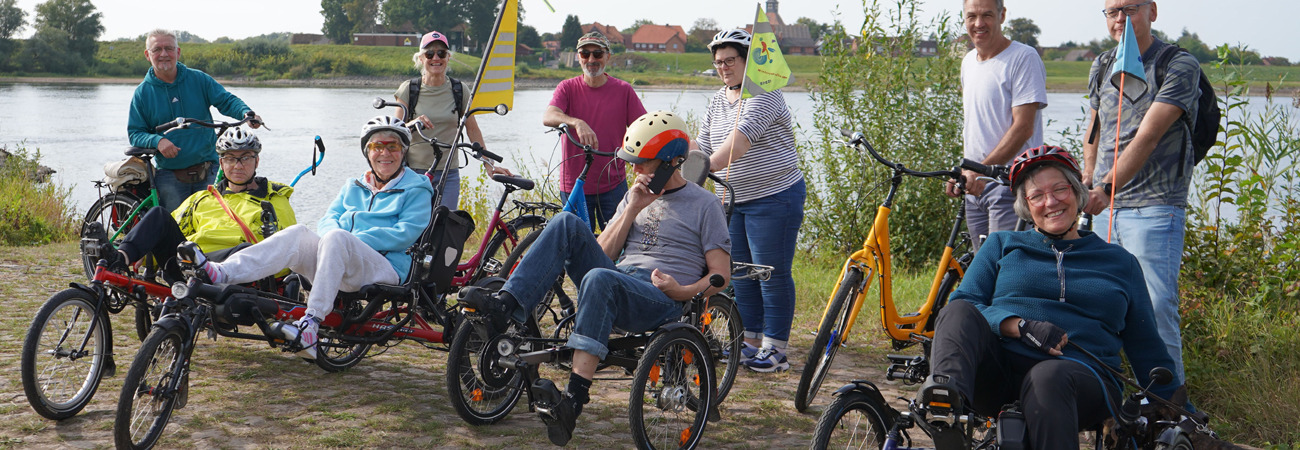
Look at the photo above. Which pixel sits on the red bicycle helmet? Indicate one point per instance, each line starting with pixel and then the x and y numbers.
pixel 1041 155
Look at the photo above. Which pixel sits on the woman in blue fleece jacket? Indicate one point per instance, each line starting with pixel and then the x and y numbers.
pixel 1002 337
pixel 361 240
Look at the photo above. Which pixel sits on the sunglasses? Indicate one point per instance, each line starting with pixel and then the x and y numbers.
pixel 390 147
pixel 592 54
pixel 439 53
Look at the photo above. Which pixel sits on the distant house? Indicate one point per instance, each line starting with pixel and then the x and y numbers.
pixel 793 39
pixel 1079 54
pixel 386 39
pixel 653 38
pixel 552 48
pixel 309 39
pixel 611 32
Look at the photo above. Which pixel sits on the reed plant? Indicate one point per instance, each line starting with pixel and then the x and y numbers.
pixel 33 209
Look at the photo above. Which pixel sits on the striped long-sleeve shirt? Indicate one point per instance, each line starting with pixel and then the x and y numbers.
pixel 771 165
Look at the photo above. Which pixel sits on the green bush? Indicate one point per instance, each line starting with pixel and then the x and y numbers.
pixel 32 212
pixel 1239 276
pixel 909 108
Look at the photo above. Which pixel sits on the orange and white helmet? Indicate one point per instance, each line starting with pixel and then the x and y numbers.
pixel 655 135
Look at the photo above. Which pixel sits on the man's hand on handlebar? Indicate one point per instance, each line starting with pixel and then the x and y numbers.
pixel 586 135
pixel 255 121
pixel 167 148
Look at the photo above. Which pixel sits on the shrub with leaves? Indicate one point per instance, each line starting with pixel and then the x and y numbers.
pixel 32 211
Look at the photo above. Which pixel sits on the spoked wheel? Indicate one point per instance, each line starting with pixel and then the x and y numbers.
pixel 496 257
pixel 151 390
pixel 724 333
pixel 1180 442
pixel 672 392
pixel 830 335
pixel 112 211
pixel 64 355
pixel 335 355
pixel 481 391
pixel 854 420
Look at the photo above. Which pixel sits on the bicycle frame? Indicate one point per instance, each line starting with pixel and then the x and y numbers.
pixel 874 258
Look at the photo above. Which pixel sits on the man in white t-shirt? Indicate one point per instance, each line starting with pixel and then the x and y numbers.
pixel 1003 91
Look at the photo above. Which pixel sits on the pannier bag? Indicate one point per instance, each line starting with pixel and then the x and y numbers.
pixel 441 247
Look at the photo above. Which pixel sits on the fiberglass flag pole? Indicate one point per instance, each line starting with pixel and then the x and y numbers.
pixel 1128 63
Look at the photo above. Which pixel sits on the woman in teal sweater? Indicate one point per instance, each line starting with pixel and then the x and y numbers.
pixel 1027 293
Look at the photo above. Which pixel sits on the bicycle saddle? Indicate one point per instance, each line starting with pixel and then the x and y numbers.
pixel 140 151
pixel 519 182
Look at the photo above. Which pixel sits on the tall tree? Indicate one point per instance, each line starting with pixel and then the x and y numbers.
pixel 338 26
pixel 1192 42
pixel 528 36
pixel 702 30
pixel 12 19
pixel 636 25
pixel 1022 30
pixel 78 19
pixel 570 32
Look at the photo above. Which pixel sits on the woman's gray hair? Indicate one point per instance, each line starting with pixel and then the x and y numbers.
pixel 385 134
pixel 419 65
pixel 1022 204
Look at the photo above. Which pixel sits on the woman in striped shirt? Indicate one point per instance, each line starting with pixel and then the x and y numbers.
pixel 751 144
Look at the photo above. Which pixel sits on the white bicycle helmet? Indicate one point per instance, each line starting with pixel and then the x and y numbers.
pixel 655 135
pixel 238 139
pixel 384 123
pixel 741 37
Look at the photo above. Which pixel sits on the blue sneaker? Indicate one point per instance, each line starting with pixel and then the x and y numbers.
pixel 747 351
pixel 767 360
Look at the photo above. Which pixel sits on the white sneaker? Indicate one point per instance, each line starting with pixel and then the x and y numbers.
pixel 307 330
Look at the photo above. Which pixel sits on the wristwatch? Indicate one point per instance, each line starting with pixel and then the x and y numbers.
pixel 1108 189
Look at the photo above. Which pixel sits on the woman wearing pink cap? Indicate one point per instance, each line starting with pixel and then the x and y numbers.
pixel 438 101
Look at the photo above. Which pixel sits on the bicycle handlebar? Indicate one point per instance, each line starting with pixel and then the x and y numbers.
pixel 998 172
pixel 184 123
pixel 856 139
pixel 563 129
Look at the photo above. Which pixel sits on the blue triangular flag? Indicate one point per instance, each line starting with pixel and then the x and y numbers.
pixel 1128 60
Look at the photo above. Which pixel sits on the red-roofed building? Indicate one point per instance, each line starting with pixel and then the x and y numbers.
pixel 653 38
pixel 611 32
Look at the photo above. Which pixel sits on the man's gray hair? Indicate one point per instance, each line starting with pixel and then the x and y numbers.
pixel 1001 6
pixel 159 32
pixel 1022 204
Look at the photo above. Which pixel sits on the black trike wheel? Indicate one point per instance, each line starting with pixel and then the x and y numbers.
pixel 112 211
pixel 673 391
pixel 830 335
pixel 335 355
pixel 853 420
pixel 500 248
pixel 59 374
pixel 151 389
pixel 482 392
pixel 724 333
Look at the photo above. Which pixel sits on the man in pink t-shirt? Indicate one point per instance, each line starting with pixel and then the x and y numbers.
pixel 598 108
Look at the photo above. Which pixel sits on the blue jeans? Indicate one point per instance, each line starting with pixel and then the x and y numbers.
pixel 608 296
pixel 171 192
pixel 991 211
pixel 451 195
pixel 1154 234
pixel 601 207
pixel 765 231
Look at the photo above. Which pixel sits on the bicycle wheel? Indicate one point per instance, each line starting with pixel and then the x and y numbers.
pixel 853 420
pixel 724 333
pixel 501 247
pixel 829 336
pixel 1181 442
pixel 482 392
pixel 111 210
pixel 59 374
pixel 672 392
pixel 335 355
pixel 150 390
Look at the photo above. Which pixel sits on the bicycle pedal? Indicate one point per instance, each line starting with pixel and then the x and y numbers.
pixel 90 246
pixel 492 266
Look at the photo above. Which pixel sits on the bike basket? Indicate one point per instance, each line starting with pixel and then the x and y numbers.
pixel 440 247
pixel 128 171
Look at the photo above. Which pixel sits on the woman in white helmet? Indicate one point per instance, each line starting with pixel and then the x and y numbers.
pixel 751 144
pixel 361 240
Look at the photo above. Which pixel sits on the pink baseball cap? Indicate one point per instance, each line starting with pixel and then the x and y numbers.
pixel 433 36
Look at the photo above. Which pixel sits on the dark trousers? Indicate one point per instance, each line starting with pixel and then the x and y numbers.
pixel 1059 397
pixel 158 235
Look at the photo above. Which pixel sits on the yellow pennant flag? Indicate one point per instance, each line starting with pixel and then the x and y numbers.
pixel 496 75
pixel 765 67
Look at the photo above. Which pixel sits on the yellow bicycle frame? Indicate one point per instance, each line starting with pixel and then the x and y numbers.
pixel 898 327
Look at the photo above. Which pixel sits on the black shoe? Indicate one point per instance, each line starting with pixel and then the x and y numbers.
pixel 939 396
pixel 557 410
pixel 114 260
pixel 493 305
pixel 192 260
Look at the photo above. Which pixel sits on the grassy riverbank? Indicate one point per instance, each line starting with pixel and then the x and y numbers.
pixel 348 65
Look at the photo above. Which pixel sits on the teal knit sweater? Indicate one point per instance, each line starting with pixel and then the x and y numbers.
pixel 1091 289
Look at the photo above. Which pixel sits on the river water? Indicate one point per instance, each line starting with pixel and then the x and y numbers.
pixel 79 128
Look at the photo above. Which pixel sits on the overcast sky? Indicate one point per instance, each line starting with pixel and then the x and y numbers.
pixel 1268 26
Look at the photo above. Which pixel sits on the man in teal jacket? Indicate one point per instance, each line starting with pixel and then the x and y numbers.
pixel 186 158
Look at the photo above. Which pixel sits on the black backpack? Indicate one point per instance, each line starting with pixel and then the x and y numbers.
pixel 1204 127
pixel 413 96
